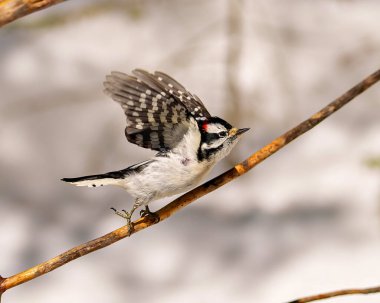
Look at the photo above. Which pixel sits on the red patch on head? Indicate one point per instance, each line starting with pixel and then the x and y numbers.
pixel 204 126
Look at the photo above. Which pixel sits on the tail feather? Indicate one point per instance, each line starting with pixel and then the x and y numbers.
pixel 110 178
pixel 95 180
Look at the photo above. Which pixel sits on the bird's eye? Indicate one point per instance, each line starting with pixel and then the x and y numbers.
pixel 222 134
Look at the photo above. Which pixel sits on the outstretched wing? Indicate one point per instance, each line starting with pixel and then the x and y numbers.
pixel 156 106
pixel 192 103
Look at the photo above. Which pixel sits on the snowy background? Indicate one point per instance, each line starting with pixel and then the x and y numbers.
pixel 305 221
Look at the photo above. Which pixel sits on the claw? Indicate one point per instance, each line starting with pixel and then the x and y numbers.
pixel 152 216
pixel 127 216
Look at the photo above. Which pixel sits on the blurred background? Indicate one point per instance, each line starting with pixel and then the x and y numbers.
pixel 305 221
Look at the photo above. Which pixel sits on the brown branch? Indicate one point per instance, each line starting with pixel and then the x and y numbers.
pixel 11 10
pixel 193 195
pixel 344 292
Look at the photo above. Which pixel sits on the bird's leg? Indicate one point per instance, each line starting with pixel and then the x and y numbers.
pixel 127 215
pixel 152 216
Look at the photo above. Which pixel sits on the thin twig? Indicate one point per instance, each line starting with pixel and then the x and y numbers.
pixel 193 195
pixel 11 10
pixel 337 293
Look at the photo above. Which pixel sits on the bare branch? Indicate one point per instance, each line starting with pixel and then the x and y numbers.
pixel 193 195
pixel 344 292
pixel 11 10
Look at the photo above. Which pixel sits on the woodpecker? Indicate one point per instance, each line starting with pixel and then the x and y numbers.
pixel 165 117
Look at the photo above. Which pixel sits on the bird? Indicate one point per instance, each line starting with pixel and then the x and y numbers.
pixel 162 115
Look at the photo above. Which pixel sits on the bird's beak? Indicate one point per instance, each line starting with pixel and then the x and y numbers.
pixel 241 131
pixel 236 132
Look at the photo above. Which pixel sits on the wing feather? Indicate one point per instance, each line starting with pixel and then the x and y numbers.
pixel 156 106
pixel 192 103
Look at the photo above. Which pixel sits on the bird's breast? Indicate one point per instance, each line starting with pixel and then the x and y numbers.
pixel 167 176
pixel 177 174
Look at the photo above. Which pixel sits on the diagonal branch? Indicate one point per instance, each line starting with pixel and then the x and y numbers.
pixel 337 293
pixel 193 195
pixel 11 10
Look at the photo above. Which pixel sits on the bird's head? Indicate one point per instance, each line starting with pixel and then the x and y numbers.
pixel 218 137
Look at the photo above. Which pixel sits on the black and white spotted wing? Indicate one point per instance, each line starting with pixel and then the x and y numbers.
pixel 193 104
pixel 157 107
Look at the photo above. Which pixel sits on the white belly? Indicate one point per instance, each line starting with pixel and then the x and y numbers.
pixel 165 177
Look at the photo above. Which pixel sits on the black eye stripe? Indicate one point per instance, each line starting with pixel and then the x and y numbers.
pixel 211 136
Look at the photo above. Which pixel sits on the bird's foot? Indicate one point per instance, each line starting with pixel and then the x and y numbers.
pixel 152 216
pixel 127 216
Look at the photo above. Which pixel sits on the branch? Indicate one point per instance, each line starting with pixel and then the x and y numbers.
pixel 193 195
pixel 344 292
pixel 11 10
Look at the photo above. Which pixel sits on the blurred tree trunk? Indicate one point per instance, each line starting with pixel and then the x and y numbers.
pixel 233 58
